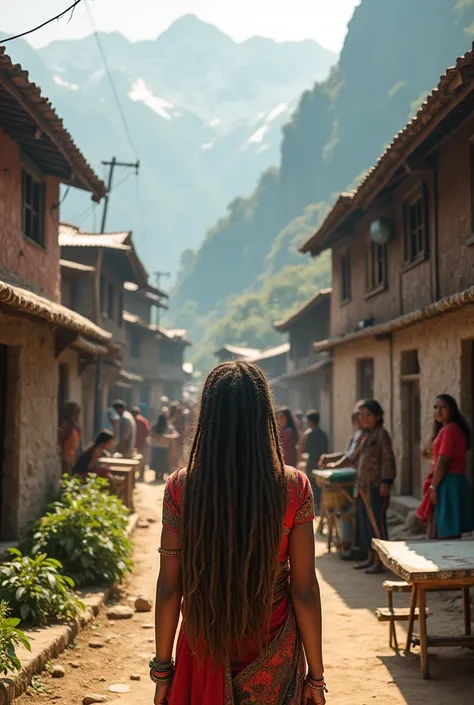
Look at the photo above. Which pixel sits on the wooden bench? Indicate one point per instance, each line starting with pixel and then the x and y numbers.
pixel 123 467
pixel 391 614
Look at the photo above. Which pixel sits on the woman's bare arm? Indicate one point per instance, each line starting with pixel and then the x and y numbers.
pixel 442 467
pixel 305 595
pixel 169 593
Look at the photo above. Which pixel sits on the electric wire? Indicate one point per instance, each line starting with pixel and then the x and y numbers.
pixel 71 9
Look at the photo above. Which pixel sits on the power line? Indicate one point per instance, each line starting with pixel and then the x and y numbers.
pixel 111 81
pixel 71 8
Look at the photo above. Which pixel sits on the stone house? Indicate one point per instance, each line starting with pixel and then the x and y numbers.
pixel 37 154
pixel 94 269
pixel 308 376
pixel 402 320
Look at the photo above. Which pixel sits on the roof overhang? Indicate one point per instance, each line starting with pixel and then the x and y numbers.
pixel 382 330
pixel 15 299
pixel 447 106
pixel 30 120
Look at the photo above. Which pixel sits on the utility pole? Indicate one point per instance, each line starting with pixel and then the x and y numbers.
pixel 98 370
pixel 112 164
pixel 158 276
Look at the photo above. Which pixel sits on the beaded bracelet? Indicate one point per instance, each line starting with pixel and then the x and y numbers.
pixel 321 687
pixel 166 552
pixel 161 673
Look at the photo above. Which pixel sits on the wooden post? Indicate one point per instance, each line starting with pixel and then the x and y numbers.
pixel 466 607
pixel 423 632
pixel 411 621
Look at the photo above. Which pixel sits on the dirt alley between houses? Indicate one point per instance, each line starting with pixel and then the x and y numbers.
pixel 361 669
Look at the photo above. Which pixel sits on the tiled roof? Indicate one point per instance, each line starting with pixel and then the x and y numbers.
pixel 245 353
pixel 76 266
pixel 72 236
pixel 176 335
pixel 273 352
pixel 319 297
pixel 452 89
pixel 31 121
pixel 449 303
pixel 36 306
pixel 134 320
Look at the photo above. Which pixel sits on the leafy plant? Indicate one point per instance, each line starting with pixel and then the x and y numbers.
pixel 36 590
pixel 86 529
pixel 10 638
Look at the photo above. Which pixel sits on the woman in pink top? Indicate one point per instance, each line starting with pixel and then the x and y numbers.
pixel 447 504
pixel 289 436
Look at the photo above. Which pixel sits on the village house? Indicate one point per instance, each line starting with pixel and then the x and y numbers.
pixel 308 375
pixel 402 321
pixel 94 269
pixel 229 353
pixel 37 154
pixel 140 381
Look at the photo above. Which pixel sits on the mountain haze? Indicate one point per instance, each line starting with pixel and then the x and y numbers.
pixel 205 116
pixel 247 273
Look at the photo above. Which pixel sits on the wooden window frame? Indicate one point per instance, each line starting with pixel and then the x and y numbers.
pixel 420 252
pixel 376 272
pixel 345 273
pixel 361 368
pixel 33 213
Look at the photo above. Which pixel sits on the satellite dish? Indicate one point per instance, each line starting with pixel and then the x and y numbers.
pixel 381 231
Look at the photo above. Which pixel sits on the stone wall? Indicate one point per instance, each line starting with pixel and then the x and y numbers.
pixel 18 255
pixel 31 471
pixel 345 384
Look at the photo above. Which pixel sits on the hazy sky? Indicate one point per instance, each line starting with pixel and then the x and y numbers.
pixel 323 20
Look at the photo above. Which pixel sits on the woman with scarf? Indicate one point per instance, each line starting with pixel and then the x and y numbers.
pixel 447 506
pixel 237 558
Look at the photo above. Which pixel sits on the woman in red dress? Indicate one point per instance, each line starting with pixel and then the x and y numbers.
pixel 237 558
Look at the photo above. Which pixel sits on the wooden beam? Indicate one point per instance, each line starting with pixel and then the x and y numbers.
pixel 41 121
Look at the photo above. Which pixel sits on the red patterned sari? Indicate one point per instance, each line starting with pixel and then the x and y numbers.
pixel 276 675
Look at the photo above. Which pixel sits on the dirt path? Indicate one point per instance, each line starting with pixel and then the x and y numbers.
pixel 360 667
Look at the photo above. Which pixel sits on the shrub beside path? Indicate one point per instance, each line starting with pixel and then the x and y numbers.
pixel 360 667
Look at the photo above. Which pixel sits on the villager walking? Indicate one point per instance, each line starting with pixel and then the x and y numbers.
pixel 247 588
pixel 142 438
pixel 446 507
pixel 126 430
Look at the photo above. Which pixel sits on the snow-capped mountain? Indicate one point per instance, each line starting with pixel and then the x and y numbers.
pixel 204 114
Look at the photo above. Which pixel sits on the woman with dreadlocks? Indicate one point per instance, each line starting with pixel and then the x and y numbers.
pixel 237 557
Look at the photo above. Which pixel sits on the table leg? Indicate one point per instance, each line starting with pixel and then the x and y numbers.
pixel 423 633
pixel 466 606
pixel 411 621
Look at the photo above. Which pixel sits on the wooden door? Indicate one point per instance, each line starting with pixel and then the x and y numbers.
pixel 415 439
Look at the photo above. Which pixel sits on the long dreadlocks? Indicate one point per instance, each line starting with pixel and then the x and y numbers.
pixel 234 506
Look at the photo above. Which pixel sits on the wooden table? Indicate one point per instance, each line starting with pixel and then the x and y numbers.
pixel 432 566
pixel 123 467
pixel 337 503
